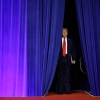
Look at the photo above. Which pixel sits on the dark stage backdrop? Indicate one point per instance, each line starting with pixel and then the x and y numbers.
pixel 79 78
pixel 30 33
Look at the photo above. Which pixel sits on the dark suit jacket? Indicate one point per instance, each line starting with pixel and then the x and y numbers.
pixel 70 52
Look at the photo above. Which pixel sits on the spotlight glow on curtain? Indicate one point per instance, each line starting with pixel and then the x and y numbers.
pixel 30 33
pixel 13 26
pixel 88 15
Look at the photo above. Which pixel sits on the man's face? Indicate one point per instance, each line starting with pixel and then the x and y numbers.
pixel 64 32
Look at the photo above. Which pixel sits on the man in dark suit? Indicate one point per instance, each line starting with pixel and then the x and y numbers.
pixel 67 57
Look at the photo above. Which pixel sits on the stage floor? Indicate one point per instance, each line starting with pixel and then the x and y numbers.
pixel 53 96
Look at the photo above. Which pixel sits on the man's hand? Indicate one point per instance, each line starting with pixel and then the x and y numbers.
pixel 73 62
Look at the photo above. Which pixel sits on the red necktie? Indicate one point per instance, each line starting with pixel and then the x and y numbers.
pixel 64 48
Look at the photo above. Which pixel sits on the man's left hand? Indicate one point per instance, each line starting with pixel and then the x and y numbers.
pixel 73 62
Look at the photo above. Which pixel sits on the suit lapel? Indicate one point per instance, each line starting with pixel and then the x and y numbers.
pixel 67 44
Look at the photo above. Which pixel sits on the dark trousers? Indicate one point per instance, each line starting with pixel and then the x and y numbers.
pixel 63 75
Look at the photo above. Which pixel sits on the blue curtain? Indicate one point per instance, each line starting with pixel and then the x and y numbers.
pixel 45 22
pixel 13 43
pixel 88 16
pixel 30 33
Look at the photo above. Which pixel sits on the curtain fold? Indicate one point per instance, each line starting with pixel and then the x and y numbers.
pixel 13 47
pixel 89 28
pixel 45 22
pixel 30 34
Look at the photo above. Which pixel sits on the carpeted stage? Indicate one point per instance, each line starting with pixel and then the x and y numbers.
pixel 53 96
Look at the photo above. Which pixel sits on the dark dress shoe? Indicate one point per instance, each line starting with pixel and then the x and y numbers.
pixel 68 92
pixel 60 93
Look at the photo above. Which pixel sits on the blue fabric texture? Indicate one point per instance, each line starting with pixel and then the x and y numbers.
pixel 30 33
pixel 45 22
pixel 88 16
